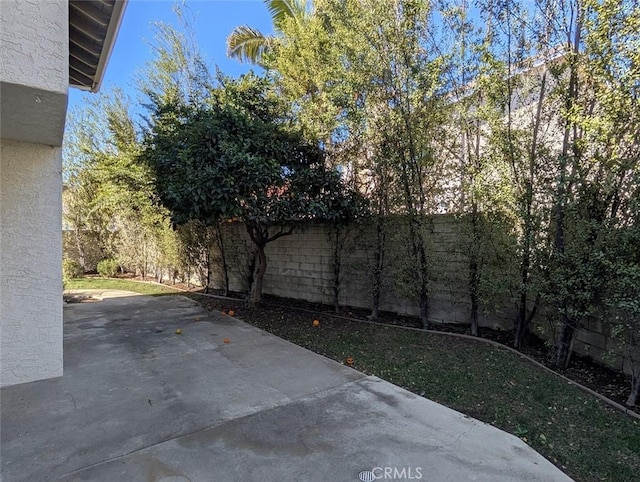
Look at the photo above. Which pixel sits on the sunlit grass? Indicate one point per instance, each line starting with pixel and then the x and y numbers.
pixel 118 284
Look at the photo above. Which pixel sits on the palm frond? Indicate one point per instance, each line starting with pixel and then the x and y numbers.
pixel 247 44
pixel 280 10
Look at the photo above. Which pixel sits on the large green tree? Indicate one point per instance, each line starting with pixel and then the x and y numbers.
pixel 241 156
pixel 109 197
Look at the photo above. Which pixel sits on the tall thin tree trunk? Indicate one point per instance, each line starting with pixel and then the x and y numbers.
pixel 474 269
pixel 565 342
pixel 144 259
pixel 635 391
pixel 81 256
pixel 569 327
pixel 261 268
pixel 225 267
pixel 337 268
pixel 208 265
pixel 420 254
pixel 377 269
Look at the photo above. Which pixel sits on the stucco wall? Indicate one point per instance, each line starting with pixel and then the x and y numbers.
pixel 34 43
pixel 30 262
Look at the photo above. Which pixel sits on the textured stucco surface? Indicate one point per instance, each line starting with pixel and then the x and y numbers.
pixel 34 48
pixel 30 262
pixel 32 115
pixel 34 70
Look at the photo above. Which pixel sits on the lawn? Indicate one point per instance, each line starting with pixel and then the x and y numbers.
pixel 585 438
pixel 118 284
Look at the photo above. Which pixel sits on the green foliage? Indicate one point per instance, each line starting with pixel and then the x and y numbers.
pixel 362 81
pixel 248 44
pixel 108 268
pixel 240 156
pixel 70 269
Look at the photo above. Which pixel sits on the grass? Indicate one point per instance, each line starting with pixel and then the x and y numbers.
pixel 582 436
pixel 585 438
pixel 118 284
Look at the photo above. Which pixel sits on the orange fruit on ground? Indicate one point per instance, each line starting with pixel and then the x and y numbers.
pixel 316 323
pixel 349 360
pixel 226 340
pixel 223 312
pixel 232 313
pixel 178 331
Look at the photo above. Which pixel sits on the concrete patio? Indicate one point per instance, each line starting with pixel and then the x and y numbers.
pixel 138 402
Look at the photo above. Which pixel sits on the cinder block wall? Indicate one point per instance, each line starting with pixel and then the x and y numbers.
pixel 300 266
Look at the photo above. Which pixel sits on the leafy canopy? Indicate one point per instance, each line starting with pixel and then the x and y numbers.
pixel 240 155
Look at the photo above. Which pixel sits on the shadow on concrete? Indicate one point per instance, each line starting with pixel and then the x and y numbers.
pixel 139 402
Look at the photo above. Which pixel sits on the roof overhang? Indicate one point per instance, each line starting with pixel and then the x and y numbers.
pixel 93 28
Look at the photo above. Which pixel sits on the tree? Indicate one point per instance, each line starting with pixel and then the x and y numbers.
pixel 593 82
pixel 366 83
pixel 248 44
pixel 108 195
pixel 241 156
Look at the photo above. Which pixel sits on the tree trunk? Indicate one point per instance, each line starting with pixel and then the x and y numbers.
pixel 635 392
pixel 563 353
pixel 474 270
pixel 261 268
pixel 421 257
pixel 81 256
pixel 337 268
pixel 225 267
pixel 565 342
pixel 424 311
pixel 377 270
pixel 474 313
pixel 520 328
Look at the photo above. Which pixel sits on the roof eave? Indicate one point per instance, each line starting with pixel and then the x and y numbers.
pixel 109 41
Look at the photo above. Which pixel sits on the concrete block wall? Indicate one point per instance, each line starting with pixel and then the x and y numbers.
pixel 300 267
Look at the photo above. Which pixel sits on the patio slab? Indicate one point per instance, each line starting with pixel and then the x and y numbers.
pixel 139 402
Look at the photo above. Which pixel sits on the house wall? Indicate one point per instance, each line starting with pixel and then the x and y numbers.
pixel 33 92
pixel 35 50
pixel 30 262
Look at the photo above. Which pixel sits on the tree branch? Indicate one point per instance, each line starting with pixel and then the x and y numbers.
pixel 280 234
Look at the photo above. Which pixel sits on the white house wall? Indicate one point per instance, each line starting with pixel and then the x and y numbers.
pixel 30 262
pixel 34 82
pixel 35 43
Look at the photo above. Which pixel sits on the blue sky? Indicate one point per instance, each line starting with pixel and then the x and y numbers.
pixel 215 19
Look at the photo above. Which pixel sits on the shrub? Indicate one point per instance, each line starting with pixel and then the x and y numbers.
pixel 71 269
pixel 108 268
